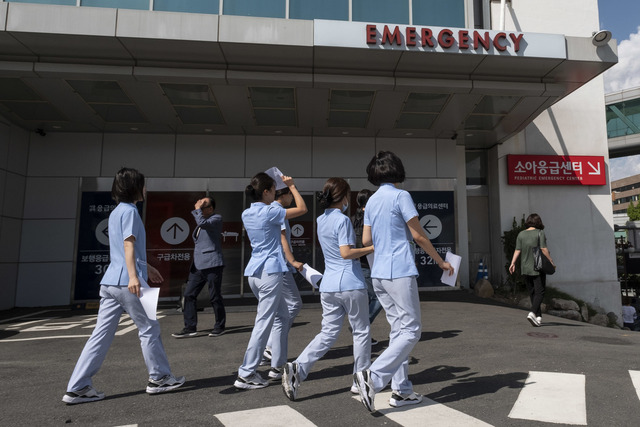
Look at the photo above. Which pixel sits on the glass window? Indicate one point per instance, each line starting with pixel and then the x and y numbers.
pixel 195 6
pixel 62 2
pixel 312 9
pixel 396 12
pixel 118 4
pixel 265 8
pixel 476 167
pixel 441 13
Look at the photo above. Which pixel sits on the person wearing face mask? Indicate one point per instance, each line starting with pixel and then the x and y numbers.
pixel 265 270
pixel 343 291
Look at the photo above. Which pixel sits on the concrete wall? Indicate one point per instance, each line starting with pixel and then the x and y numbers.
pixel 47 174
pixel 14 147
pixel 578 219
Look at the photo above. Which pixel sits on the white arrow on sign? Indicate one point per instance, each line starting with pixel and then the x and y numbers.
pixel 596 171
pixel 102 232
pixel 174 230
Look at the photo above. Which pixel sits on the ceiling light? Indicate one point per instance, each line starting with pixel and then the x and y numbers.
pixel 134 128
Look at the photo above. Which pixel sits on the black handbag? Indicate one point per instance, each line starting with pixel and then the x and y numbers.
pixel 540 261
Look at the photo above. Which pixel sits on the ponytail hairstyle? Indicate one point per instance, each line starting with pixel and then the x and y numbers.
pixel 258 185
pixel 128 186
pixel 358 218
pixel 385 167
pixel 334 190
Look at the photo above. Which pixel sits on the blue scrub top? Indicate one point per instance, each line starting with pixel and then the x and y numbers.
pixel 335 230
pixel 263 223
pixel 387 213
pixel 124 222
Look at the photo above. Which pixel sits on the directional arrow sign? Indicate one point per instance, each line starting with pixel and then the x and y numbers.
pixel 297 230
pixel 102 232
pixel 174 231
pixel 432 226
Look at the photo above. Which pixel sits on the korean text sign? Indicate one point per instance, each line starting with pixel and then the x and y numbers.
pixel 556 170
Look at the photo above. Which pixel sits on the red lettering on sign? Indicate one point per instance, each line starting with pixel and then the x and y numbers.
pixel 445 38
pixel 478 40
pixel 556 170
pixel 496 42
pixel 516 41
pixel 371 34
pixel 389 37
pixel 427 37
pixel 463 39
pixel 411 36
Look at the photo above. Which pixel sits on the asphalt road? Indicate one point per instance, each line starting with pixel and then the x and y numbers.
pixel 474 363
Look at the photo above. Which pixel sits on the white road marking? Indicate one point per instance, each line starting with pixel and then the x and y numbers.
pixel 635 379
pixel 30 315
pixel 274 416
pixel 438 415
pixel 552 397
pixel 45 338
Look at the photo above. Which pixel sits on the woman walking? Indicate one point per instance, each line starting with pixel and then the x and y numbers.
pixel 343 291
pixel 536 280
pixel 390 222
pixel 263 221
pixel 120 292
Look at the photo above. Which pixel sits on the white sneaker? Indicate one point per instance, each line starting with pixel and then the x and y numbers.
pixel 354 389
pixel 164 384
pixel 532 319
pixel 539 319
pixel 398 399
pixel 275 373
pixel 87 394
pixel 291 380
pixel 365 388
pixel 251 382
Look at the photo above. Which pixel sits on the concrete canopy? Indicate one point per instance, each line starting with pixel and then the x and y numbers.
pixel 81 69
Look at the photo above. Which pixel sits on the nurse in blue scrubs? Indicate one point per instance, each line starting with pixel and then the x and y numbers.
pixel 265 271
pixel 343 291
pixel 390 223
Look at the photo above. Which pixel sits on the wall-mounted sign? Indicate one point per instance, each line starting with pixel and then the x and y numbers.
pixel 556 170
pixel 382 36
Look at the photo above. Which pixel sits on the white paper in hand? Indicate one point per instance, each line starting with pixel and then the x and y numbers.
pixel 313 276
pixel 454 260
pixel 275 173
pixel 149 298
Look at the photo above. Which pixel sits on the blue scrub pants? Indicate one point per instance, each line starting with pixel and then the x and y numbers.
pixel 272 314
pixel 400 300
pixel 114 301
pixel 291 296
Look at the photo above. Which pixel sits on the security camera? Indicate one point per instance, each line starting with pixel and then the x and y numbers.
pixel 600 38
pixel 40 132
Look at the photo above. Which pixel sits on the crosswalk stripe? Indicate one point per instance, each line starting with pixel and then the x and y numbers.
pixel 438 415
pixel 552 397
pixel 274 416
pixel 635 379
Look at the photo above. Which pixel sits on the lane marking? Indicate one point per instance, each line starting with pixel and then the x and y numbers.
pixel 552 397
pixel 274 416
pixel 438 415
pixel 30 315
pixel 635 379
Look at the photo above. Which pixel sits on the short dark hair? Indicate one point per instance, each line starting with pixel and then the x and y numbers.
pixel 334 190
pixel 259 183
pixel 281 192
pixel 385 167
pixel 212 202
pixel 128 186
pixel 534 221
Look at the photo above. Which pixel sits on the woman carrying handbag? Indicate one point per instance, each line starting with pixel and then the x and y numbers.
pixel 527 240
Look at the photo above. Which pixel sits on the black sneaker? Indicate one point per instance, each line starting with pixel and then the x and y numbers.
pixel 216 332
pixel 185 333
